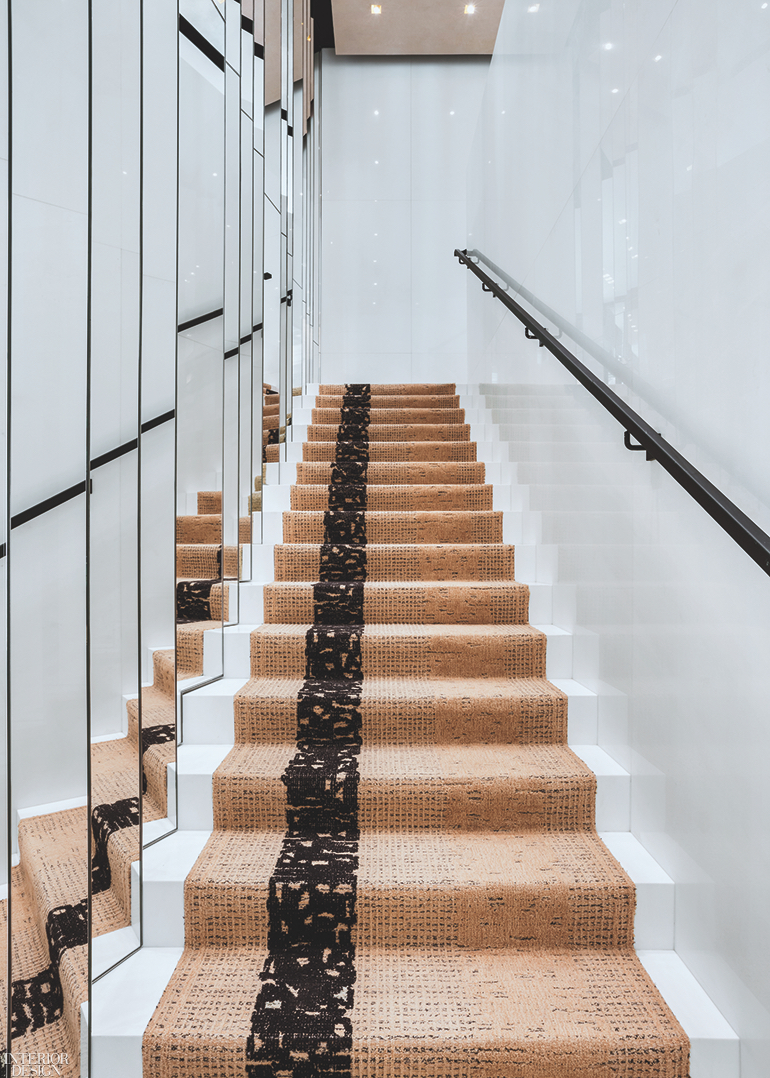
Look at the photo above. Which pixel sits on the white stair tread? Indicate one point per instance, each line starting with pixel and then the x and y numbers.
pixel 566 684
pixel 200 759
pixel 714 1044
pixel 173 859
pixel 226 686
pixel 600 762
pixel 126 997
pixel 640 865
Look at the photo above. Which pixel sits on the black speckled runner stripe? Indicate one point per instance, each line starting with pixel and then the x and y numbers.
pixel 301 1026
pixel 38 1001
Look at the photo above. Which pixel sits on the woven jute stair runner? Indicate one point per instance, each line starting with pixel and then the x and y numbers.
pixel 404 877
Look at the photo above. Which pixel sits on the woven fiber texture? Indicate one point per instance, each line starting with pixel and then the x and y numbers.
pixel 402 561
pixel 391 473
pixel 404 878
pixel 397 432
pixel 393 528
pixel 465 497
pixel 396 452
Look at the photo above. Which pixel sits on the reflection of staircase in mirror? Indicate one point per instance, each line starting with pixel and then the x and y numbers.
pixel 49 886
pixel 272 433
pixel 404 876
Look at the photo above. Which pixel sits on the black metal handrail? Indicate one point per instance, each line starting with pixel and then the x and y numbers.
pixel 738 526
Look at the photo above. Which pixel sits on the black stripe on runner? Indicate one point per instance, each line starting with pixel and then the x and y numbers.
pixel 301 1025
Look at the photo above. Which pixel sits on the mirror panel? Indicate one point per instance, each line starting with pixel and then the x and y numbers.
pixel 114 417
pixel 47 542
pixel 206 331
pixel 5 867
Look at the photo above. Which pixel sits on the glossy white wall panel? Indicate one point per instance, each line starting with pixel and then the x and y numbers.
pixel 445 102
pixel 159 347
pixel 389 284
pixel 159 134
pixel 50 101
pixel 367 367
pixel 367 276
pixel 201 188
pixel 114 347
pixel 48 690
pixel 49 349
pixel 438 322
pixel 368 120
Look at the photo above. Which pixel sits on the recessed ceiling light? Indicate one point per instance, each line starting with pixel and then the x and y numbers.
pixel 376 9
pixel 608 46
pixel 470 9
pixel 533 7
pixel 658 57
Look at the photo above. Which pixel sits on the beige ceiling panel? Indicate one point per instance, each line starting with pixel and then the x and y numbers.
pixel 415 27
pixel 259 22
pixel 272 51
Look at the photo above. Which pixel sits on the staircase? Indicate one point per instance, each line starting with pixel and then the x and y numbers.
pixel 404 876
pixel 482 895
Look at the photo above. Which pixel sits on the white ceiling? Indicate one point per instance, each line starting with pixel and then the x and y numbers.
pixel 415 27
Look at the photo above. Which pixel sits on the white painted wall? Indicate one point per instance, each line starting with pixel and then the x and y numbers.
pixel 619 172
pixel 396 135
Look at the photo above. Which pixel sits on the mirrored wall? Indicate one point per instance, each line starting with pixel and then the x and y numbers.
pixel 159 161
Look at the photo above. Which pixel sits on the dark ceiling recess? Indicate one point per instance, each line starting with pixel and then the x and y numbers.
pixel 321 12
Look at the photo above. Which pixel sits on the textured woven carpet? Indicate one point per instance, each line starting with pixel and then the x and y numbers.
pixel 404 877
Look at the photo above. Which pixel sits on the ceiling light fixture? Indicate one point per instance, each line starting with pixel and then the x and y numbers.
pixel 470 9
pixel 376 9
pixel 533 7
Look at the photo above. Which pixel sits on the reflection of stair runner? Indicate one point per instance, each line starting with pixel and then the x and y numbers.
pixel 441 864
pixel 49 888
pixel 272 434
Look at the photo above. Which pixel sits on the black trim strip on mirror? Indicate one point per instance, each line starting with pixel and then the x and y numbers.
pixel 75 491
pixel 231 352
pixel 246 339
pixel 259 50
pixel 192 322
pixel 50 503
pixel 746 533
pixel 247 24
pixel 196 38
pixel 150 424
pixel 257 328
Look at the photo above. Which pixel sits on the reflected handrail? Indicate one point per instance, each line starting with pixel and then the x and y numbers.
pixel 746 533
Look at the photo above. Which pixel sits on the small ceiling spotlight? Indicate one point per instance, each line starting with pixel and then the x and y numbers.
pixel 470 9
pixel 376 9
pixel 533 7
